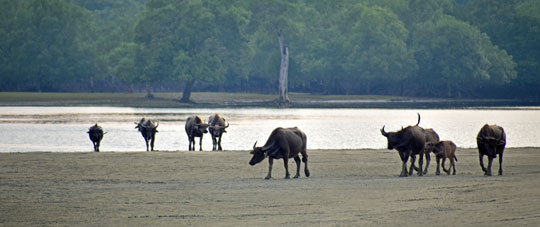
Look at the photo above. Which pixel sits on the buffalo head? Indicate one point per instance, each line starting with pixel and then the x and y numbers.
pixel 393 138
pixel 202 127
pixel 259 153
pixel 217 130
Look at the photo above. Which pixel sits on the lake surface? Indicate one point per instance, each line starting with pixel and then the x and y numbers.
pixel 62 129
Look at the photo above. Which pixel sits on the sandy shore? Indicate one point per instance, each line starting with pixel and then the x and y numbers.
pixel 347 188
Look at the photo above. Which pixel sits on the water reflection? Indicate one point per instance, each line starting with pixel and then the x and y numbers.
pixel 64 128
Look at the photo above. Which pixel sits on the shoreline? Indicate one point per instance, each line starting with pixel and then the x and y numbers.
pixel 251 100
pixel 245 151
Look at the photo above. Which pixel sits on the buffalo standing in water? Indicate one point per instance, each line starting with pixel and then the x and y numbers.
pixel 491 141
pixel 217 128
pixel 148 131
pixel 195 127
pixel 96 134
pixel 283 143
pixel 409 141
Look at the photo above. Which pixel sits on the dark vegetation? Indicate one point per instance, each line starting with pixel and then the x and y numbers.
pixel 416 48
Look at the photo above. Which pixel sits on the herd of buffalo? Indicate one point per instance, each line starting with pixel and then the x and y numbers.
pixel 286 143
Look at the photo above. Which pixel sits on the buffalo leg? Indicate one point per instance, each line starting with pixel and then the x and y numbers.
pixel 490 162
pixel 213 142
pixel 420 163
pixel 500 164
pixel 219 144
pixel 444 168
pixel 97 146
pixel 453 165
pixel 146 140
pixel 297 160
pixel 152 142
pixel 428 159
pixel 482 164
pixel 200 144
pixel 270 163
pixel 404 158
pixel 286 164
pixel 305 160
pixel 411 169
pixel 438 172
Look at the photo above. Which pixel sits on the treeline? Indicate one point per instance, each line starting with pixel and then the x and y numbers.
pixel 428 48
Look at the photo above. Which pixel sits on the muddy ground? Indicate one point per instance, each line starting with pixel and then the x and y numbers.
pixel 347 188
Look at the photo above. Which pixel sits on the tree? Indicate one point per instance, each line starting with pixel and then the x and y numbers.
pixel 377 44
pixel 121 63
pixel 191 41
pixel 277 20
pixel 47 44
pixel 513 26
pixel 348 45
pixel 454 57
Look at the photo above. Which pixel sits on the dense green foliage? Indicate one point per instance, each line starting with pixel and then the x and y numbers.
pixel 430 48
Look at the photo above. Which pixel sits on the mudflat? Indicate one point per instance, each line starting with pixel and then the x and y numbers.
pixel 346 188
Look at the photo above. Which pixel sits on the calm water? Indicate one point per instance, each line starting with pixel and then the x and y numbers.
pixel 64 128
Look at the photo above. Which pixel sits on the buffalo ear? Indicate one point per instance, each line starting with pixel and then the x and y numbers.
pixel 224 130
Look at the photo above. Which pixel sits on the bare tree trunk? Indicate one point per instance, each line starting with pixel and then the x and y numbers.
pixel 448 89
pixel 149 91
pixel 186 94
pixel 283 71
pixel 92 84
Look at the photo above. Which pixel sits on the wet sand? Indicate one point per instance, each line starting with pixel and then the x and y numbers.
pixel 347 188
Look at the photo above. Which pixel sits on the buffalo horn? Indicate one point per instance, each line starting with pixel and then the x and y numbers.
pixel 383 132
pixel 417 123
pixel 266 148
pixel 224 127
pixel 254 145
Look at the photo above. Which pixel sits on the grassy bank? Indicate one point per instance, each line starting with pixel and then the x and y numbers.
pixel 220 99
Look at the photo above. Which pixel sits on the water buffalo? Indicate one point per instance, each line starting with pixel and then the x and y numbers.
pixel 431 138
pixel 283 143
pixel 148 131
pixel 195 127
pixel 409 141
pixel 96 134
pixel 217 128
pixel 443 150
pixel 491 141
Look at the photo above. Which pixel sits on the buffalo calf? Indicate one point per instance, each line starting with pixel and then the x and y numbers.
pixel 443 150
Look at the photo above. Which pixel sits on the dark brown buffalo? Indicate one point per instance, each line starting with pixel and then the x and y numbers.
pixel 195 127
pixel 491 141
pixel 409 142
pixel 443 150
pixel 217 128
pixel 431 138
pixel 96 134
pixel 148 131
pixel 283 143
